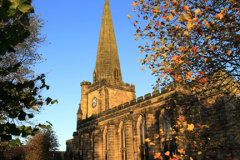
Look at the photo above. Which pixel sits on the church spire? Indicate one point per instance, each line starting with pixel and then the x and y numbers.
pixel 107 63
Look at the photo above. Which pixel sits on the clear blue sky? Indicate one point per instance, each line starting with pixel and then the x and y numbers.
pixel 73 29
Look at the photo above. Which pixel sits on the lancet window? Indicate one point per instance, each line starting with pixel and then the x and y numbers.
pixel 123 143
pixel 116 74
pixel 167 130
pixel 142 136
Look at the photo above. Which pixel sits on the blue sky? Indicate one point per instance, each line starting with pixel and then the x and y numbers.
pixel 73 29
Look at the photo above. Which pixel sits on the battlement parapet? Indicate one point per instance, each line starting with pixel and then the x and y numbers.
pixel 109 83
pixel 85 83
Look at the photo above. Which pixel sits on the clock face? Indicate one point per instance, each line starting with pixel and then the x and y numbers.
pixel 94 102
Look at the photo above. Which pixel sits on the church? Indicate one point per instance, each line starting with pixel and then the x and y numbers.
pixel 112 124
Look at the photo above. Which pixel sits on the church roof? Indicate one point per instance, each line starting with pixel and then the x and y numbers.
pixel 107 63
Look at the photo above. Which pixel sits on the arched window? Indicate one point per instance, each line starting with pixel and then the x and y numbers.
pixel 116 74
pixel 123 143
pixel 166 124
pixel 167 130
pixel 142 136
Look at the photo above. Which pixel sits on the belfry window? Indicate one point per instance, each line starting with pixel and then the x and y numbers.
pixel 123 143
pixel 116 74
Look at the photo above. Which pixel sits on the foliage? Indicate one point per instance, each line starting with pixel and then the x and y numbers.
pixel 38 147
pixel 26 53
pixel 15 97
pixel 196 43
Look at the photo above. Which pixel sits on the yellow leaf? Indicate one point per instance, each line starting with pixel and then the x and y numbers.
pixel 164 55
pixel 208 37
pixel 143 68
pixel 128 16
pixel 147 140
pixel 172 11
pixel 190 127
pixel 199 153
pixel 191 158
pixel 190 25
pixel 170 16
pixel 157 136
pixel 139 60
pixel 162 139
pixel 185 33
pixel 151 143
pixel 197 11
pixel 229 53
pixel 140 52
pixel 167 153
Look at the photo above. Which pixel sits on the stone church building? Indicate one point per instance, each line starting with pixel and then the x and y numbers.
pixel 112 124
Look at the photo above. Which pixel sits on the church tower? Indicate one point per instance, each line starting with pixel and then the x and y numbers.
pixel 107 89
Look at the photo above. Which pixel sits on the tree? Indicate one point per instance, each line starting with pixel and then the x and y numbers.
pixel 192 42
pixel 38 147
pixel 26 53
pixel 15 97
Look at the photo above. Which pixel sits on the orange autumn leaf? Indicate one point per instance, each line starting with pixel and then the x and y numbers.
pixel 208 37
pixel 162 75
pixel 137 35
pixel 151 38
pixel 177 26
pixel 133 4
pixel 164 17
pixel 181 118
pixel 203 80
pixel 143 68
pixel 175 57
pixel 185 8
pixel 158 24
pixel 158 156
pixel 193 48
pixel 201 72
pixel 206 23
pixel 180 48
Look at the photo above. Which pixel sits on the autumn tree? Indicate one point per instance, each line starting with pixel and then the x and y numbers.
pixel 17 98
pixel 194 43
pixel 38 147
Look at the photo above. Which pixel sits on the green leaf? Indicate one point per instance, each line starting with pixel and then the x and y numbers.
pixel 24 7
pixel 11 12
